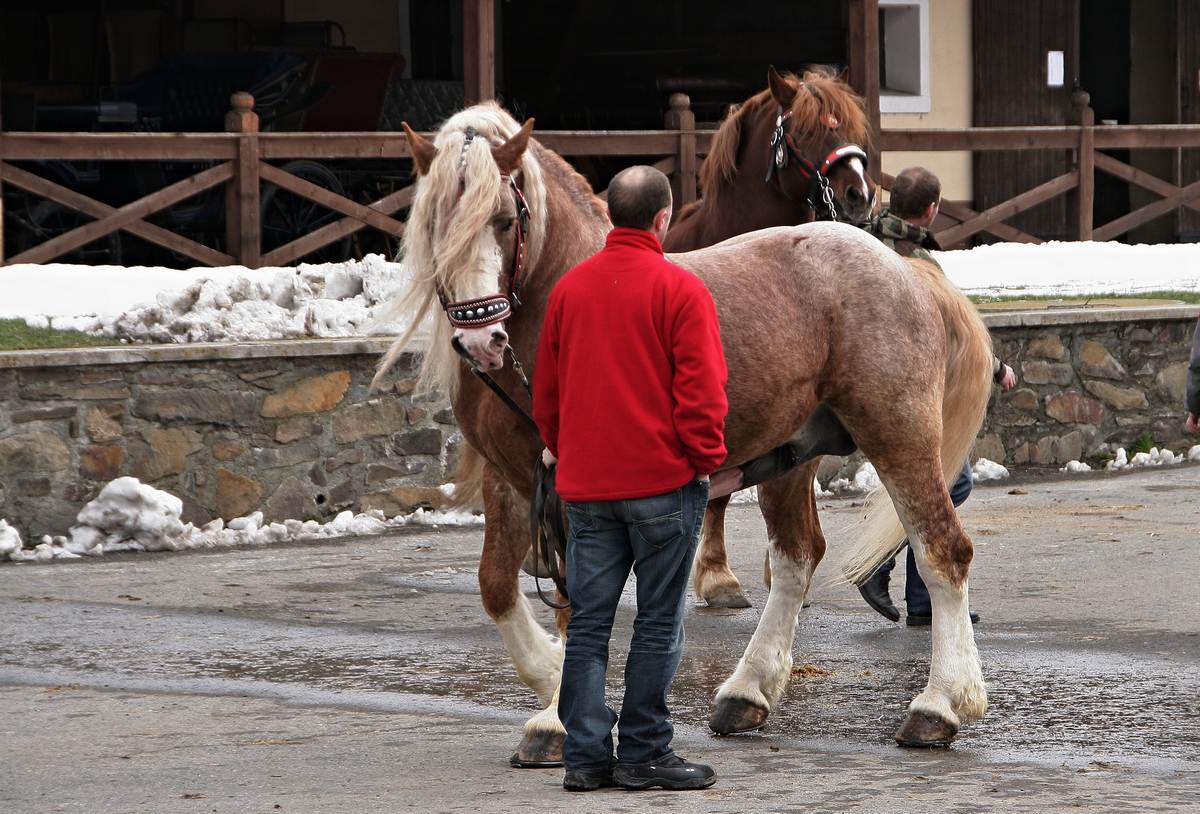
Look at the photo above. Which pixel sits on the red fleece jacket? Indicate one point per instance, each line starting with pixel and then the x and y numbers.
pixel 629 388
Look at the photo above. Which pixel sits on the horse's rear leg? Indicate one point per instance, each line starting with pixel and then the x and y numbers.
pixel 955 691
pixel 796 546
pixel 536 655
pixel 712 578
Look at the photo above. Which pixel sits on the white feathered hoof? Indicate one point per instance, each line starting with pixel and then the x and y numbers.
pixel 539 750
pixel 926 729
pixel 733 715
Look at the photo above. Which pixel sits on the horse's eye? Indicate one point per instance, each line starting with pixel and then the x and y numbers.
pixel 506 225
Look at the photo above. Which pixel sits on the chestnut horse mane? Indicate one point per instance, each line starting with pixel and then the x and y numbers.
pixel 827 96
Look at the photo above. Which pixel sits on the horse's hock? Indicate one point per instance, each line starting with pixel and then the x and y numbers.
pixel 286 427
pixel 290 427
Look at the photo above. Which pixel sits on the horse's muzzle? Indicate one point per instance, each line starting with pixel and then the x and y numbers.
pixel 482 347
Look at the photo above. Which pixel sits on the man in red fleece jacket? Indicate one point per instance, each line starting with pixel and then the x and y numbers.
pixel 629 395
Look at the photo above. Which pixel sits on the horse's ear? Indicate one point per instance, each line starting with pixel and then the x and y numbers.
pixel 782 90
pixel 844 75
pixel 422 149
pixel 508 155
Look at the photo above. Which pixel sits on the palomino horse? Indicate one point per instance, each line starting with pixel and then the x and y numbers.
pixel 810 314
pixel 823 127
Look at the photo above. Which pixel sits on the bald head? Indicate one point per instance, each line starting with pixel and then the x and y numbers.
pixel 914 190
pixel 636 195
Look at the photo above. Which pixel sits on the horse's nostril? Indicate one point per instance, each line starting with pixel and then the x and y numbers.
pixel 855 194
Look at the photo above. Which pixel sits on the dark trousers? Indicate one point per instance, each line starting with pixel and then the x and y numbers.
pixel 656 538
pixel 916 595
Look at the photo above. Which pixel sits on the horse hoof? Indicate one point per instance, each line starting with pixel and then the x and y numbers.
pixel 539 750
pixel 535 566
pixel 925 729
pixel 734 715
pixel 724 597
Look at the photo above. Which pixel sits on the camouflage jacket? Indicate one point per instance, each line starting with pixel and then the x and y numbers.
pixel 906 239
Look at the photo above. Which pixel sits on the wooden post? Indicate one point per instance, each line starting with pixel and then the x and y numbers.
pixel 479 50
pixel 243 226
pixel 1085 194
pixel 863 55
pixel 681 118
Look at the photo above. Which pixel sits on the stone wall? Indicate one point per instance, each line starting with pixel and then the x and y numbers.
pixel 288 427
pixel 1086 378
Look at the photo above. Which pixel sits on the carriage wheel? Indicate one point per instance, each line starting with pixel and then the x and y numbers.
pixel 48 220
pixel 286 216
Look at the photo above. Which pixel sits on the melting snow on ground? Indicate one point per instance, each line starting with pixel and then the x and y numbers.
pixel 152 304
pixel 128 515
pixel 206 305
pixel 1072 269
pixel 987 470
pixel 1155 457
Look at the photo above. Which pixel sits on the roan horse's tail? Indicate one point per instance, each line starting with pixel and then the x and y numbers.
pixel 968 385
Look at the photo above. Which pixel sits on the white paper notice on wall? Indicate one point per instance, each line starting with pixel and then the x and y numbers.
pixel 1054 69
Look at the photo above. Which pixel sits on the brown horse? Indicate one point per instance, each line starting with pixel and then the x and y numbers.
pixel 825 116
pixel 810 314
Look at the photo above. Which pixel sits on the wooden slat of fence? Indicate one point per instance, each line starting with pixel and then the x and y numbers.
pixel 124 216
pixel 1147 136
pixel 962 214
pixel 981 138
pixel 1148 212
pixel 332 200
pixel 147 231
pixel 1140 177
pixel 117 146
pixel 1026 200
pixel 335 231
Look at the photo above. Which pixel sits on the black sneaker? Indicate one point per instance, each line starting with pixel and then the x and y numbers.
pixel 588 779
pixel 925 619
pixel 671 772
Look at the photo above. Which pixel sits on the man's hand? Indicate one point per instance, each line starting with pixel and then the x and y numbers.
pixel 1192 424
pixel 1009 380
pixel 725 482
pixel 548 458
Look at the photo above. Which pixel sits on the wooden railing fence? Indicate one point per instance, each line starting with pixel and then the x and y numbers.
pixel 244 154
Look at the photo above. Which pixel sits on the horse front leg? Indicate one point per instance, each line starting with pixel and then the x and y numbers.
pixel 536 654
pixel 747 697
pixel 712 578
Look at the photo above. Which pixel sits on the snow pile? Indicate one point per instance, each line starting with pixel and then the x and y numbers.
pixel 1193 454
pixel 1075 466
pixel 987 470
pixel 207 305
pixel 128 515
pixel 1072 268
pixel 1155 457
pixel 866 479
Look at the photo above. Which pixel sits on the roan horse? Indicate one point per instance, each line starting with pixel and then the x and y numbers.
pixel 748 183
pixel 810 314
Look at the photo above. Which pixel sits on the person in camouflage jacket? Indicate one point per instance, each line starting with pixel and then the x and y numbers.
pixel 905 227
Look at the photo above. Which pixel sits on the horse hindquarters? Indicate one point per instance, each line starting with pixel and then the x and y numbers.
pixel 536 655
pixel 796 546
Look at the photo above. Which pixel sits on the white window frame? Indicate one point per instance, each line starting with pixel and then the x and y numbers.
pixel 896 102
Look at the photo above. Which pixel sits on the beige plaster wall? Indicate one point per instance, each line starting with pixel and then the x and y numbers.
pixel 950 97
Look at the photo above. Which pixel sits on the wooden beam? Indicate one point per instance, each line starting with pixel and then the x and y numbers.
pixel 1140 177
pixel 1148 212
pixel 331 200
pixel 981 138
pixel 681 119
pixel 479 50
pixel 118 147
pixel 147 231
pixel 332 232
pixel 1013 206
pixel 126 215
pixel 962 214
pixel 863 55
pixel 1085 193
pixel 1147 136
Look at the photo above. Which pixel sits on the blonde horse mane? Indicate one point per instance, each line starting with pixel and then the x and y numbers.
pixel 452 206
pixel 827 96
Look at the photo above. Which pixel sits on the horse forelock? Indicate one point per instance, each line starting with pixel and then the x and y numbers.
pixel 453 205
pixel 826 96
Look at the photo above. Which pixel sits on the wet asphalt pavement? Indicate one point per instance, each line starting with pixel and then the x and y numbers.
pixel 362 676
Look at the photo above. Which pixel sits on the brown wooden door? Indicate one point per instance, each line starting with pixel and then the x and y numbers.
pixel 1011 41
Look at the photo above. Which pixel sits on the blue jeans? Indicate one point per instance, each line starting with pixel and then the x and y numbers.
pixel 656 537
pixel 916 594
